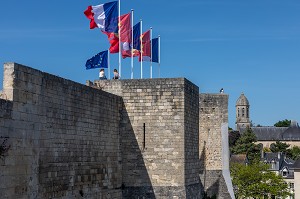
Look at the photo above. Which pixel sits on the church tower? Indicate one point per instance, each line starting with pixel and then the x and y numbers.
pixel 242 112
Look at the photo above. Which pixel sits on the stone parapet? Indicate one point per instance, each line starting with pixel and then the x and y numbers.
pixel 64 138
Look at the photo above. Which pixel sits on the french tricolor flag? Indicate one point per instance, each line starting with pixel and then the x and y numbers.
pixel 103 16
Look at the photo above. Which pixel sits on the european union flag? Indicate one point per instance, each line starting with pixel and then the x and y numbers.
pixel 98 61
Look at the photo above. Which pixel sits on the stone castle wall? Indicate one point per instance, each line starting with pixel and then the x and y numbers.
pixel 213 114
pixel 110 139
pixel 161 161
pixel 64 138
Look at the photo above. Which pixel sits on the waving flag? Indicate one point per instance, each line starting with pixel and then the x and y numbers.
pixel 146 46
pixel 136 39
pixel 104 16
pixel 113 39
pixel 98 61
pixel 155 50
pixel 125 32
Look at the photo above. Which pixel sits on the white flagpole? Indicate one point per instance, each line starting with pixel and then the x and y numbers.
pixel 119 32
pixel 159 56
pixel 131 43
pixel 141 40
pixel 108 62
pixel 151 52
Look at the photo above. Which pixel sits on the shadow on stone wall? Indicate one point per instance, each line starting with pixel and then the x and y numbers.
pixel 209 179
pixel 136 181
pixel 202 169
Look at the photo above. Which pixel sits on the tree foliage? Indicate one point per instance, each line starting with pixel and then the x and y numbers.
pixel 279 146
pixel 293 153
pixel 233 136
pixel 246 145
pixel 283 123
pixel 257 181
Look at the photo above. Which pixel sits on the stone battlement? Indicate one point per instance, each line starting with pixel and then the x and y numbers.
pixel 109 138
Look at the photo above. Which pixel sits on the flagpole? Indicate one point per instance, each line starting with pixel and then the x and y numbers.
pixel 108 62
pixel 141 40
pixel 151 52
pixel 131 43
pixel 159 56
pixel 119 32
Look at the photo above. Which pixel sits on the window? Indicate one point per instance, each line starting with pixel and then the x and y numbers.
pixel 285 172
pixel 238 112
pixel 243 112
pixel 291 185
pixel 247 112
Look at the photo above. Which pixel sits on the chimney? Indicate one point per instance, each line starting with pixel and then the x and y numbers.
pixel 262 154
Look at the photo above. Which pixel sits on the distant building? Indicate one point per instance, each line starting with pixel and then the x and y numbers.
pixel 266 135
pixel 284 167
pixel 242 112
pixel 296 168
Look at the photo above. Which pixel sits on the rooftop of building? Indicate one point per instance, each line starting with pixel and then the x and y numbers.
pixel 272 133
pixel 242 101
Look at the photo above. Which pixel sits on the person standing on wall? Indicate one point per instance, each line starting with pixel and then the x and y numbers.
pixel 116 74
pixel 102 74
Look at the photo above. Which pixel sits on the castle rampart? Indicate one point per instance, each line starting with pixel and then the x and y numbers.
pixel 214 156
pixel 63 137
pixel 168 148
pixel 109 139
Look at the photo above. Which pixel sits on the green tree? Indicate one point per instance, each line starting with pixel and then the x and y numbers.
pixel 246 145
pixel 256 181
pixel 283 123
pixel 233 136
pixel 293 153
pixel 279 147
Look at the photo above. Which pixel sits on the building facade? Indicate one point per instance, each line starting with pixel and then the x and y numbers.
pixel 242 108
pixel 267 135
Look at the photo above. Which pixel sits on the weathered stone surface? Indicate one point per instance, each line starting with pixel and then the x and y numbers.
pixel 213 113
pixel 109 139
pixel 165 153
pixel 64 138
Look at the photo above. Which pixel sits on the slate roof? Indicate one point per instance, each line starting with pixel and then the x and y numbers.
pixel 297 164
pixel 273 133
pixel 292 133
pixel 267 133
pixel 280 163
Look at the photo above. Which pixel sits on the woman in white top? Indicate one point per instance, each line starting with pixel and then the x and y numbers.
pixel 102 74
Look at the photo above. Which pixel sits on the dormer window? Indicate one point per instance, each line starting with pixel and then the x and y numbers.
pixel 285 172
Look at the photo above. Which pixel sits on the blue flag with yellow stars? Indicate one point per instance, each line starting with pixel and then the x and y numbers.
pixel 98 61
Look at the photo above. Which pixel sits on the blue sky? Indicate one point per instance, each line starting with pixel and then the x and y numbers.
pixel 242 46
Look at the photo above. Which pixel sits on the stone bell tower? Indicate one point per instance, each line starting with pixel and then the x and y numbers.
pixel 242 112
